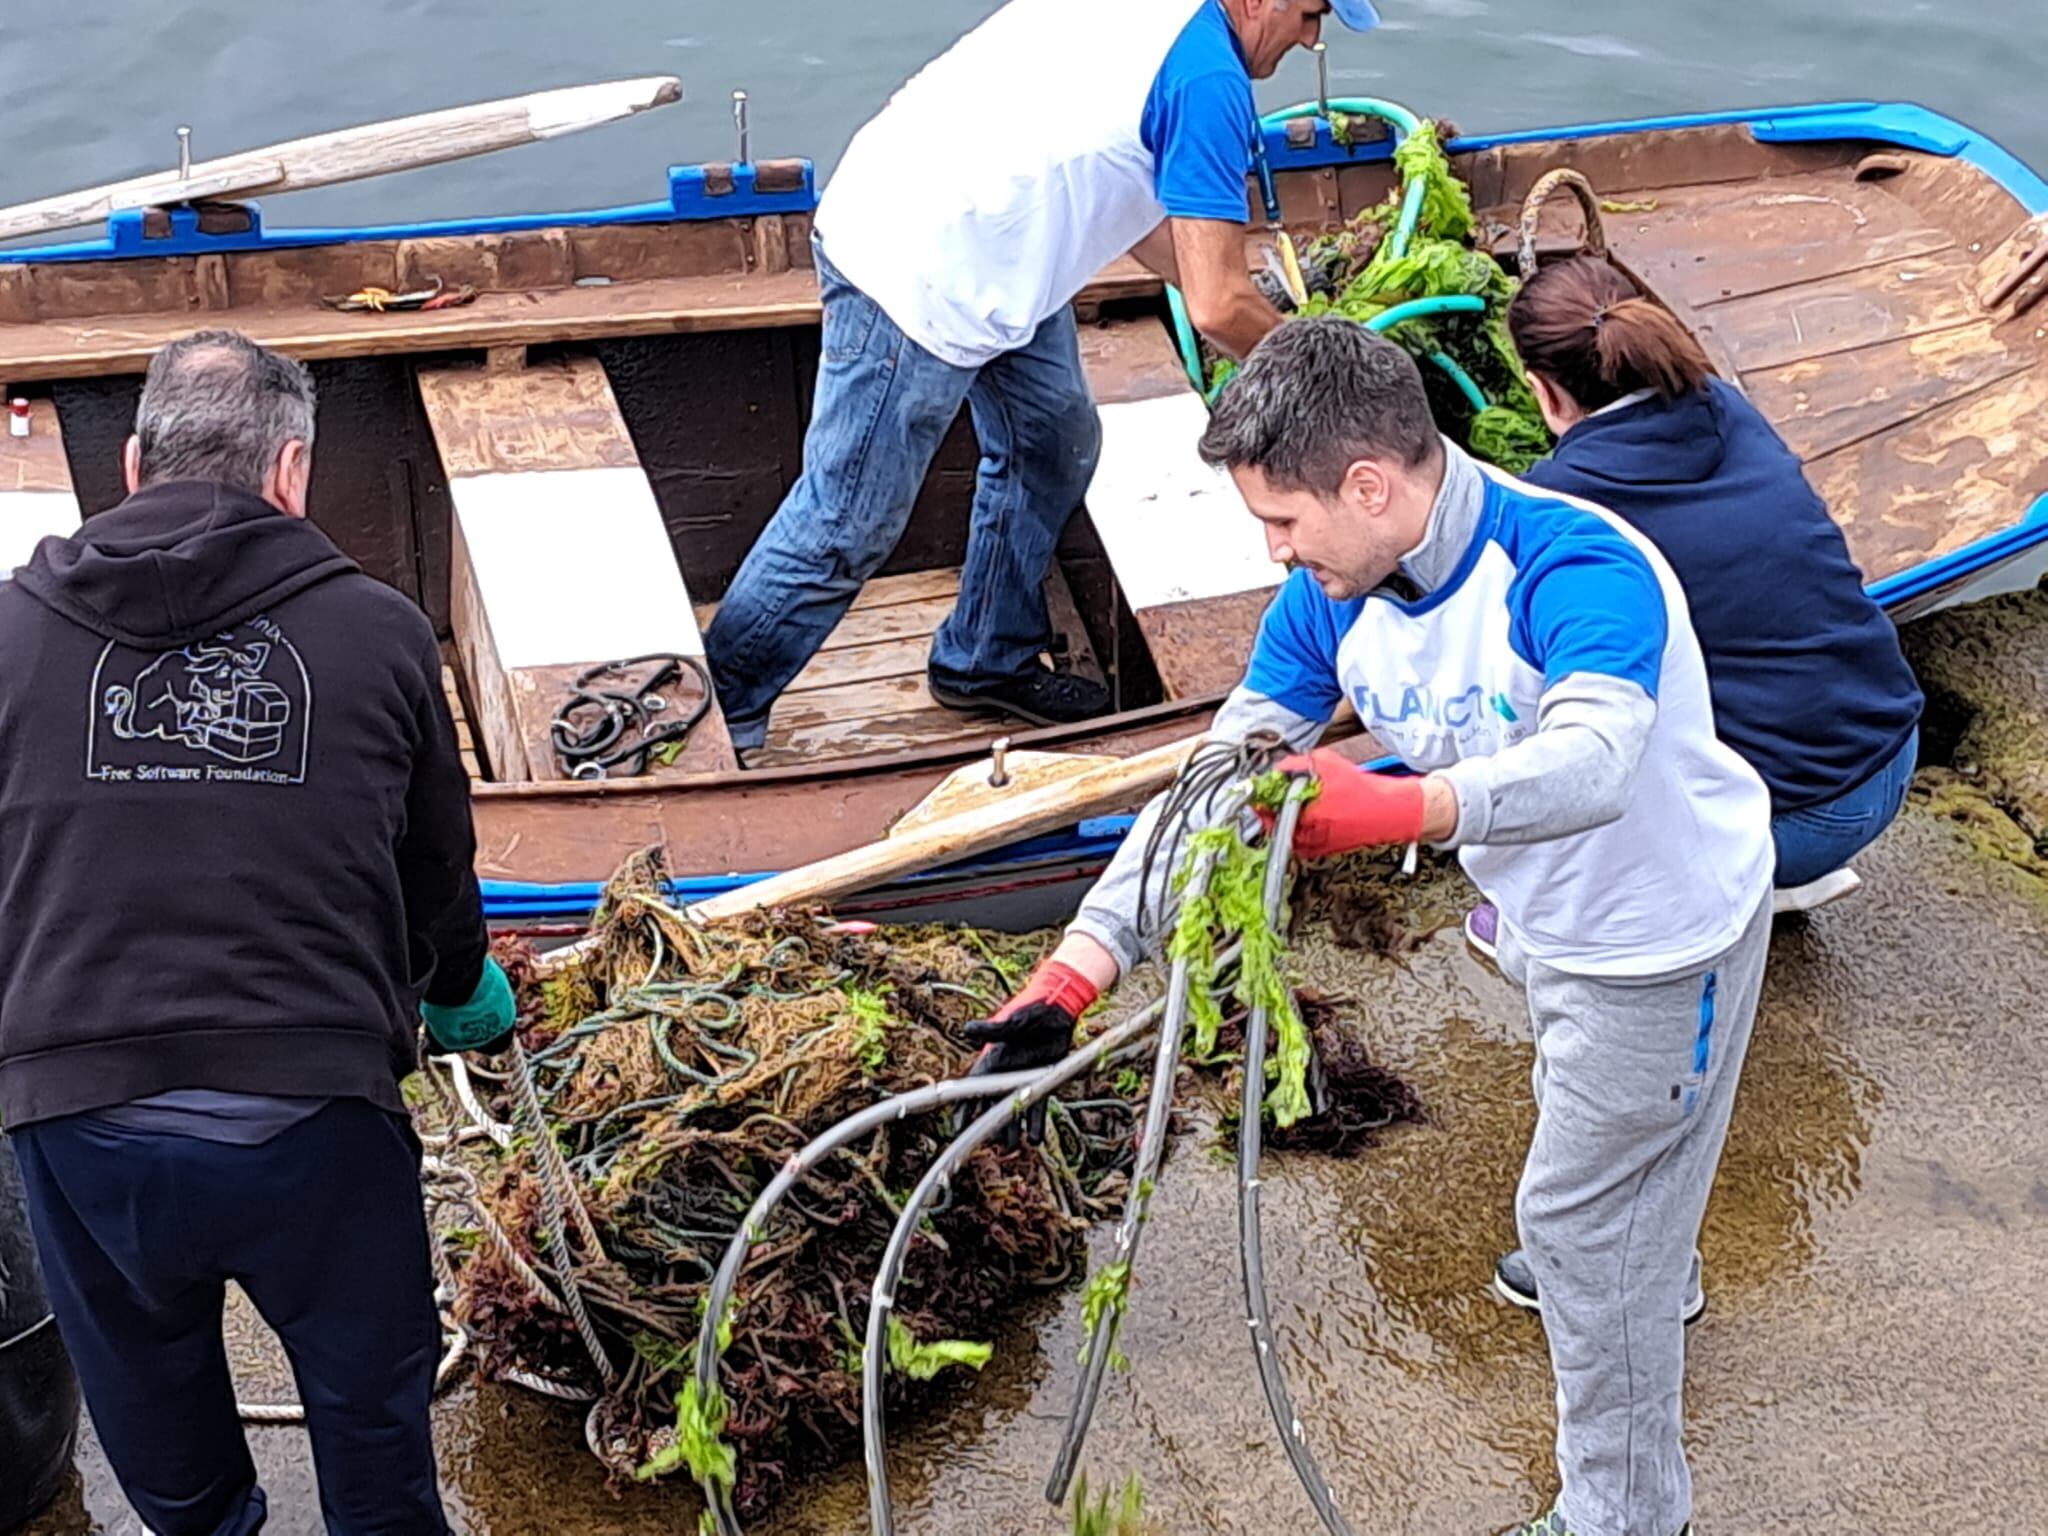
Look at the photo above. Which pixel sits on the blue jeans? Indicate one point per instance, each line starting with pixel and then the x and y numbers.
pixel 322 1226
pixel 1822 838
pixel 882 407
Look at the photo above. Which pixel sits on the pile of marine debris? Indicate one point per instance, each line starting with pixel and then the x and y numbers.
pixel 668 1070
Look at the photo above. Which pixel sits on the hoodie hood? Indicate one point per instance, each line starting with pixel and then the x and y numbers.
pixel 1653 442
pixel 177 562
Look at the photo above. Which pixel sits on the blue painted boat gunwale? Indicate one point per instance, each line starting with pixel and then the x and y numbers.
pixel 690 200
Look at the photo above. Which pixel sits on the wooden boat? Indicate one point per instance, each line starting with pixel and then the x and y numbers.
pixel 569 468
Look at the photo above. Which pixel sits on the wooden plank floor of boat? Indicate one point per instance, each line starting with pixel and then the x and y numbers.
pixel 1845 302
pixel 864 692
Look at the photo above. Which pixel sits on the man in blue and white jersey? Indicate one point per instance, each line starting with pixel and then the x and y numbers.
pixel 1531 658
pixel 951 241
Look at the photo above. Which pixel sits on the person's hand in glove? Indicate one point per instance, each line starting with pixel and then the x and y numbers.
pixel 484 1023
pixel 1033 1029
pixel 1355 809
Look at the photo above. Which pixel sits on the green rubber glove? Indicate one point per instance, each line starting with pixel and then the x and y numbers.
pixel 484 1023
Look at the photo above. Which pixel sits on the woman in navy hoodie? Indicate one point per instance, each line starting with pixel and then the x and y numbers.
pixel 1808 681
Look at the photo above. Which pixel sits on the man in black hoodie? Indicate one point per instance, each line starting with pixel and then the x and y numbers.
pixel 235 858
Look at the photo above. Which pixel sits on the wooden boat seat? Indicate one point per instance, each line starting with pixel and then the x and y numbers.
pixel 561 561
pixel 1189 556
pixel 864 692
pixel 36 495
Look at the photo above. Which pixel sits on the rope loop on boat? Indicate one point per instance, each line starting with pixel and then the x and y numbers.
pixel 1593 243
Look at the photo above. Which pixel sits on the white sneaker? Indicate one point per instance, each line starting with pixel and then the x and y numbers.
pixel 1832 886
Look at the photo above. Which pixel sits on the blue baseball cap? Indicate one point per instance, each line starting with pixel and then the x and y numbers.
pixel 1358 15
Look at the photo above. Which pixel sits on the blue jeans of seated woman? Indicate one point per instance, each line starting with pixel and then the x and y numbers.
pixel 882 407
pixel 1822 838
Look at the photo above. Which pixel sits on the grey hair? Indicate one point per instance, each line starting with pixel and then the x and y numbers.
pixel 1316 396
pixel 216 406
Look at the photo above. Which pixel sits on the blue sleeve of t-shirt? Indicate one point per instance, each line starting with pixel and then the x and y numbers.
pixel 1198 126
pixel 1294 659
pixel 1590 603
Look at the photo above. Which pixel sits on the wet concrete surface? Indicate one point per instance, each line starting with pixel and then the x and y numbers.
pixel 1876 1248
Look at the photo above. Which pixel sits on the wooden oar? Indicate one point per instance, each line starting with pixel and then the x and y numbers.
pixel 1095 788
pixel 349 154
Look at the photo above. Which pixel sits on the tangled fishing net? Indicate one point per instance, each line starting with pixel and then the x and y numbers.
pixel 680 1066
pixel 675 1069
pixel 1357 273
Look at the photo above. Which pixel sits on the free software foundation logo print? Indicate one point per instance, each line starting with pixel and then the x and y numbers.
pixel 234 707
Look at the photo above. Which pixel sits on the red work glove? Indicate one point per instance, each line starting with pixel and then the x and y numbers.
pixel 1355 810
pixel 1033 1029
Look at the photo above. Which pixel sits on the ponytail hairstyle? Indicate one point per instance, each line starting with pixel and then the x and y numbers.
pixel 1588 329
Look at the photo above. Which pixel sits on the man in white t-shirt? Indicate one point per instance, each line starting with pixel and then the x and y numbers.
pixel 950 245
pixel 1532 660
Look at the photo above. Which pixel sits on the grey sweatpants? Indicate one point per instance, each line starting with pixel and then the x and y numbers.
pixel 1634 1082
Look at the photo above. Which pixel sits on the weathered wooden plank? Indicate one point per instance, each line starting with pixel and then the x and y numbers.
pixel 112 339
pixel 883 734
pixel 1821 406
pixel 886 634
pixel 36 462
pixel 1204 646
pixel 1955 474
pixel 512 262
pixel 508 421
pixel 36 495
pixel 560 557
pixel 863 626
pixel 874 699
pixel 1131 360
pixel 942 584
pixel 1848 312
pixel 864 663
pixel 1716 243
pixel 910 587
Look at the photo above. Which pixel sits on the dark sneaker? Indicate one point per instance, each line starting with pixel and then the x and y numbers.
pixel 1041 696
pixel 1553 1524
pixel 1515 1283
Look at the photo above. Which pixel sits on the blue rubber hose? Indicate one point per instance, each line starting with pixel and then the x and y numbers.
pixel 1461 378
pixel 1404 123
pixel 1421 309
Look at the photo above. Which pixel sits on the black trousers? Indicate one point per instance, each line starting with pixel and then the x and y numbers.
pixel 322 1227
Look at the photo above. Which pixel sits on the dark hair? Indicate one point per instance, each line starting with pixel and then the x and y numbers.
pixel 1316 396
pixel 1588 328
pixel 215 406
